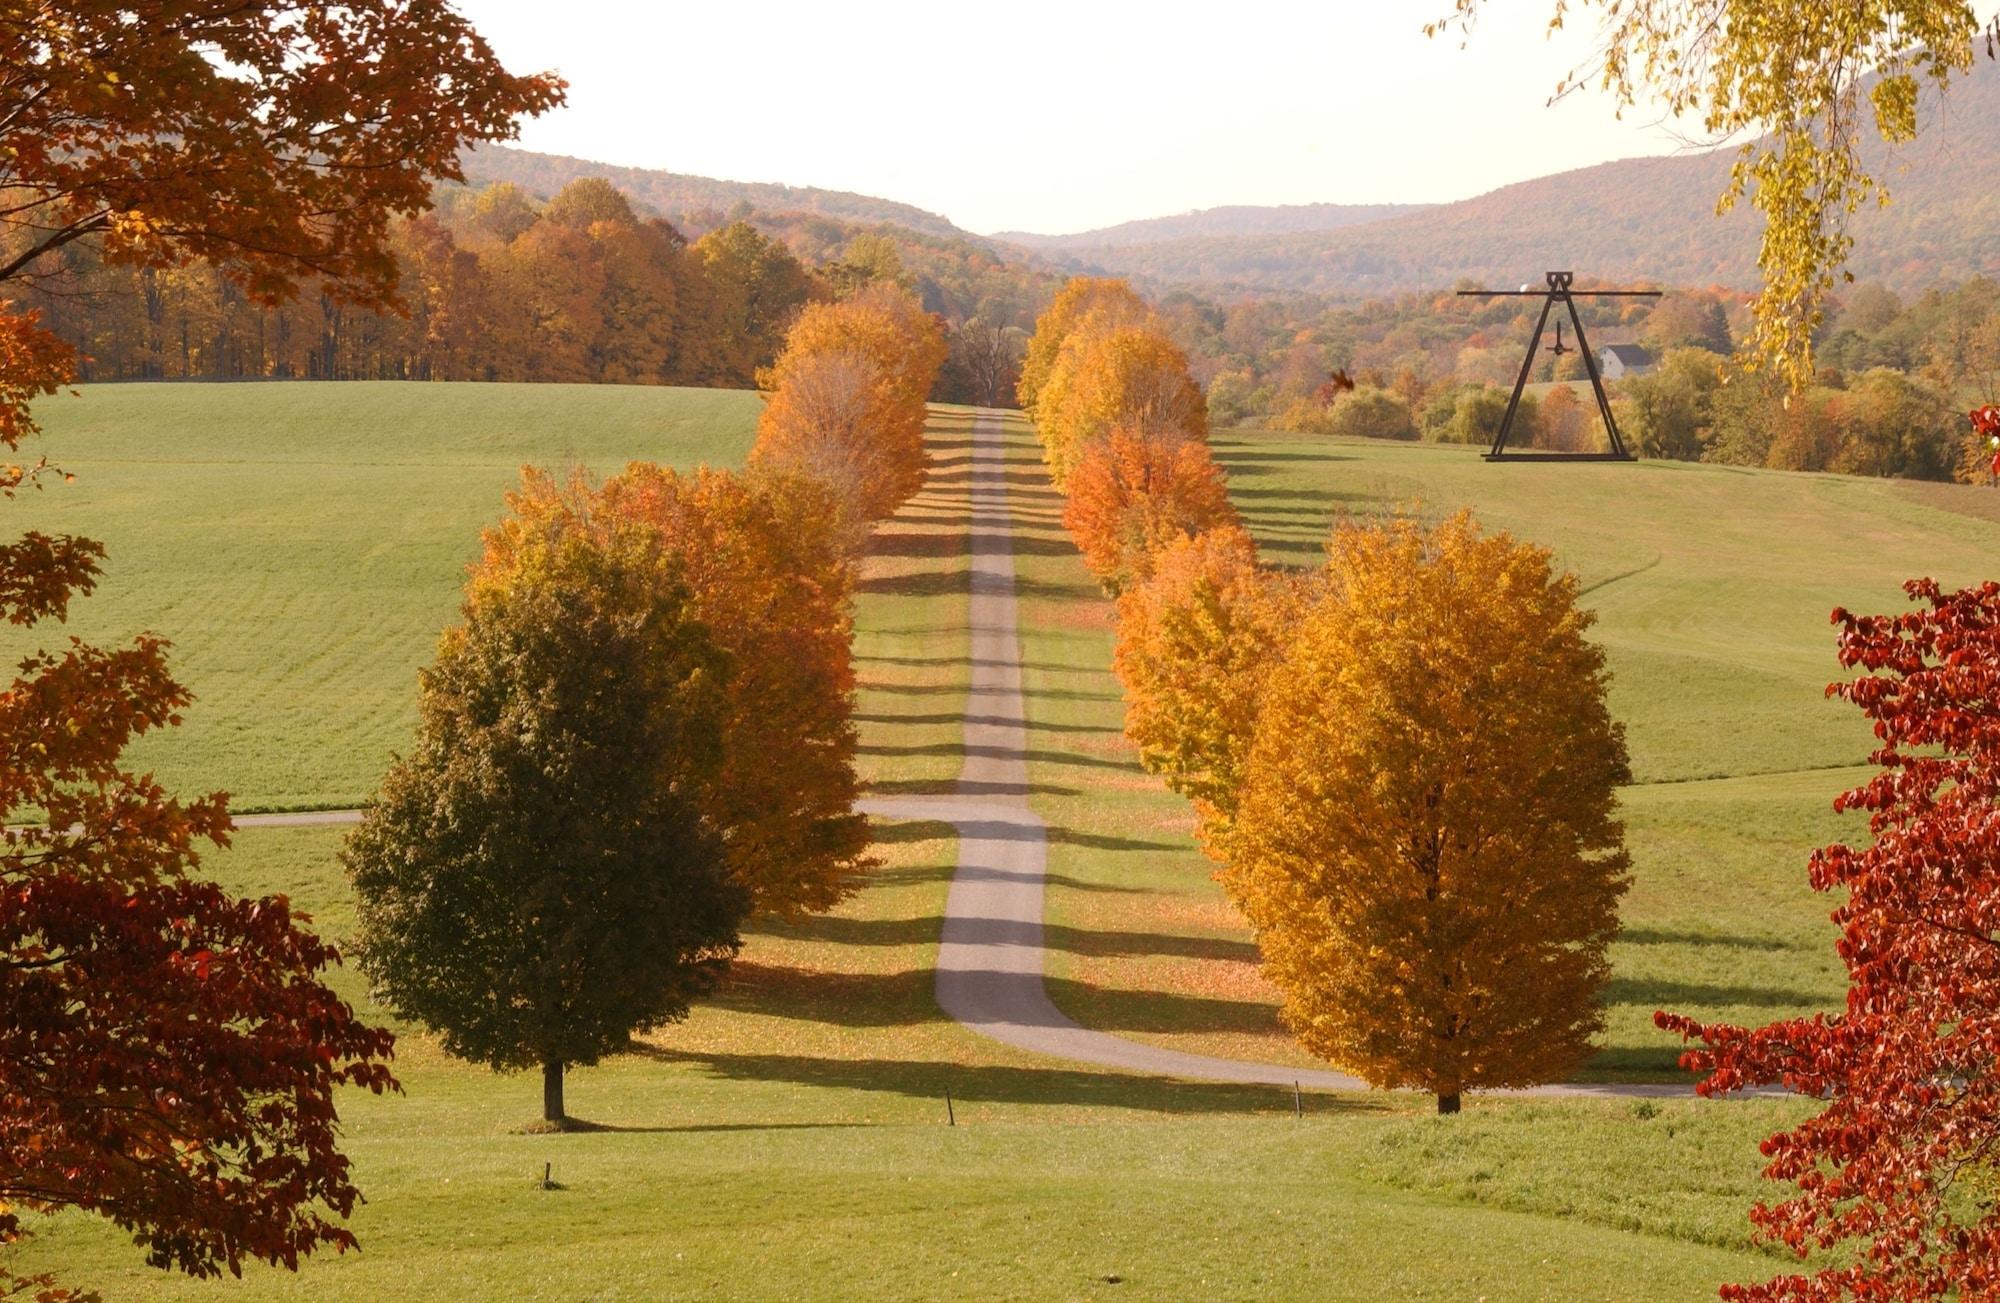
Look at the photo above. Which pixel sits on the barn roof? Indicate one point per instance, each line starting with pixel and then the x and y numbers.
pixel 1629 354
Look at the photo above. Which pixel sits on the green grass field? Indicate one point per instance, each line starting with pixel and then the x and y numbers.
pixel 302 544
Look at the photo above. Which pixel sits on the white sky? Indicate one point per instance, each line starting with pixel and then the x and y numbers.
pixel 1059 117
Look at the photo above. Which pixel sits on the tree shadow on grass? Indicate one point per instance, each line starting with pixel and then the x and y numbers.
pixel 1069 758
pixel 1096 943
pixel 1641 936
pixel 942 718
pixel 1231 453
pixel 582 1126
pixel 922 583
pixel 908 543
pixel 1106 842
pixel 1655 994
pixel 904 999
pixel 906 832
pixel 964 787
pixel 998 1084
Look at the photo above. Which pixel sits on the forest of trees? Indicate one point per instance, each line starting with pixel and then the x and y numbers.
pixel 590 287
pixel 583 288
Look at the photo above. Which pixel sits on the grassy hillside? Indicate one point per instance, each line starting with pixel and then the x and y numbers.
pixel 1646 219
pixel 302 544
pixel 789 1141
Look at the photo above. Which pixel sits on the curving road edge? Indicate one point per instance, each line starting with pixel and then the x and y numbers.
pixel 991 955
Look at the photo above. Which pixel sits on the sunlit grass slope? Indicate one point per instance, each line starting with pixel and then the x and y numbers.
pixel 790 1141
pixel 302 544
pixel 1713 588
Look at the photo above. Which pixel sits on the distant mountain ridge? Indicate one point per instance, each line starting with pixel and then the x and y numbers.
pixel 1646 219
pixel 672 193
pixel 1643 219
pixel 1231 220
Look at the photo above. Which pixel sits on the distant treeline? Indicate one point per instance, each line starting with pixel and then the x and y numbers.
pixel 584 288
pixel 1895 382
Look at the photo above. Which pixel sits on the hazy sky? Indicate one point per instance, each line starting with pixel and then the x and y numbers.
pixel 1058 117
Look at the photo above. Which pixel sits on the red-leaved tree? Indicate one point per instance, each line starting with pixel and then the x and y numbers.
pixel 1909 1073
pixel 169 1055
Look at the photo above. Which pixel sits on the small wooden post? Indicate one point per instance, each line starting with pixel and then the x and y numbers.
pixel 950 1118
pixel 1298 1102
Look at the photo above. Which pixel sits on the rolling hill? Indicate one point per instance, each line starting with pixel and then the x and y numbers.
pixel 673 194
pixel 1237 219
pixel 1646 219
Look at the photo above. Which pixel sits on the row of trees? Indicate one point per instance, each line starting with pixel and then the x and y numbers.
pixel 584 287
pixel 1404 768
pixel 641 733
pixel 496 287
pixel 1433 879
pixel 1123 427
pixel 1894 381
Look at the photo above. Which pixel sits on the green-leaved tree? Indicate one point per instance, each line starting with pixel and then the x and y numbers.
pixel 536 879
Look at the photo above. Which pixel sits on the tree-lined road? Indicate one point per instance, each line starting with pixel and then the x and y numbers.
pixel 991 956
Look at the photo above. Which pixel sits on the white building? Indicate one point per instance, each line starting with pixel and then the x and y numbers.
pixel 1615 361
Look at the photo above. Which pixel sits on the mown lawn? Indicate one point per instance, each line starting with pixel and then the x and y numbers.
pixel 790 1142
pixel 302 544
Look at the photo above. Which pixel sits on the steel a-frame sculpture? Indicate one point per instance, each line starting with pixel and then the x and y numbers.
pixel 1559 291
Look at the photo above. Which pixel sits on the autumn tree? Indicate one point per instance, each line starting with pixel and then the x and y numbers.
pixel 1197 642
pixel 1104 379
pixel 1803 90
pixel 771 578
pixel 824 422
pixel 1371 413
pixel 1107 302
pixel 276 141
pixel 1425 838
pixel 848 397
pixel 168 1054
pixel 1910 1110
pixel 1136 491
pixel 538 879
pixel 759 286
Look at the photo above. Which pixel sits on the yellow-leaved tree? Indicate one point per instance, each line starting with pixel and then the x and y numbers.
pixel 1425 833
pixel 1103 299
pixel 849 391
pixel 1135 491
pixel 1196 644
pixel 1106 378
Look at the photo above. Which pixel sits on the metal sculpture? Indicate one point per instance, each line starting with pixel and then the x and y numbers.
pixel 1559 291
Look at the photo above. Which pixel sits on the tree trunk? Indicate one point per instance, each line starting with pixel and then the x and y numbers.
pixel 1446 1103
pixel 552 1091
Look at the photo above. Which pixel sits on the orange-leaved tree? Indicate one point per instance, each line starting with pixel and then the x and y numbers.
pixel 828 419
pixel 1106 302
pixel 861 416
pixel 1107 378
pixel 1134 492
pixel 771 576
pixel 1196 644
pixel 168 1053
pixel 1426 838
